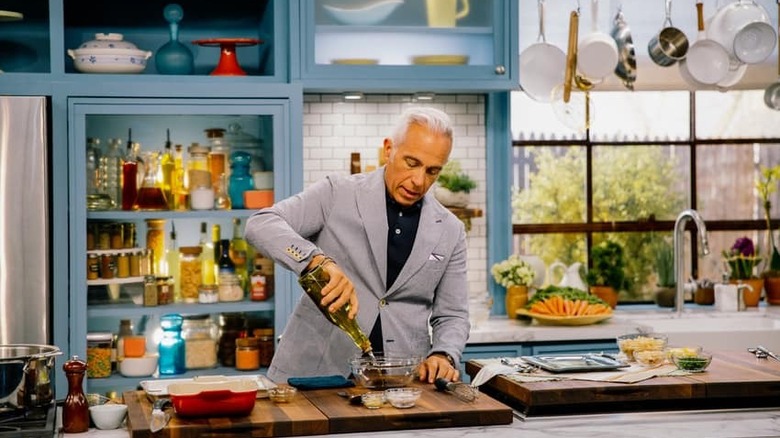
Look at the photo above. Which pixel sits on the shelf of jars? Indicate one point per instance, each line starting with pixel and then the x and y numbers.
pixel 130 309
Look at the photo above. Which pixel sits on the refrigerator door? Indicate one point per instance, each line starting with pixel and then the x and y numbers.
pixel 24 222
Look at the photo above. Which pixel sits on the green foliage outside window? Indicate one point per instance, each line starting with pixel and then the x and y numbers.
pixel 629 184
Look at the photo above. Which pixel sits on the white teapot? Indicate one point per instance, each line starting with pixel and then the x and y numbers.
pixel 571 275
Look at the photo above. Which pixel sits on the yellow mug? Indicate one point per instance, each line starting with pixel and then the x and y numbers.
pixel 444 13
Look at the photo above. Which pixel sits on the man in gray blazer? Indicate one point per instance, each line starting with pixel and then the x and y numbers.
pixel 397 252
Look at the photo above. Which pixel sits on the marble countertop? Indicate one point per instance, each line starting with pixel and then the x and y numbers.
pixel 712 424
pixel 504 330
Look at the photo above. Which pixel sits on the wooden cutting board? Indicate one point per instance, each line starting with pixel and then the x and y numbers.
pixel 324 411
pixel 267 419
pixel 434 409
pixel 733 379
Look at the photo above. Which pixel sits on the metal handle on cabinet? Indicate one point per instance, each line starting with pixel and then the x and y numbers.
pixel 500 70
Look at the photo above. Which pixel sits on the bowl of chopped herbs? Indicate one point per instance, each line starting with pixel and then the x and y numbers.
pixel 692 363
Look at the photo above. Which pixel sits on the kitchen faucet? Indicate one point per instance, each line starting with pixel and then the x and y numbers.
pixel 679 265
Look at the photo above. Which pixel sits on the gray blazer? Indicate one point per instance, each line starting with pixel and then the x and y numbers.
pixel 426 309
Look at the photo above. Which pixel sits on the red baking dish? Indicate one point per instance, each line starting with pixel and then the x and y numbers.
pixel 228 398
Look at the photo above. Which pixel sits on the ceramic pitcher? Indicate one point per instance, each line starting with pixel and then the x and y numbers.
pixel 571 275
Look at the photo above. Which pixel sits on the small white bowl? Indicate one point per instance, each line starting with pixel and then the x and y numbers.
pixel 108 416
pixel 366 14
pixel 138 366
pixel 403 398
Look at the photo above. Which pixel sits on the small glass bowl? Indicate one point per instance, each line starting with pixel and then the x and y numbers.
pixel 693 364
pixel 628 344
pixel 403 398
pixel 682 351
pixel 282 394
pixel 650 358
pixel 373 399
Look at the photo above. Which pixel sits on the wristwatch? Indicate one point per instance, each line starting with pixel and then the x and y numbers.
pixel 446 356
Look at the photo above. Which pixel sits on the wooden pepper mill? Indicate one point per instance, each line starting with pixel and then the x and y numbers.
pixel 75 411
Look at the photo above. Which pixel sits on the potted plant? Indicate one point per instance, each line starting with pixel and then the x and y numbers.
pixel 607 277
pixel 453 186
pixel 742 259
pixel 516 275
pixel 766 184
pixel 664 268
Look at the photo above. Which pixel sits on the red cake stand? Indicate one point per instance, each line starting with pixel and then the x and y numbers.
pixel 228 61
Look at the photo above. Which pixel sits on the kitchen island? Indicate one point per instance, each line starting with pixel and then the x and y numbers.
pixel 711 424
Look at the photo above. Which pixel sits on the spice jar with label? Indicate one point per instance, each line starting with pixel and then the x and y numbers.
pixel 247 354
pixel 208 294
pixel 93 266
pixel 189 273
pixel 200 342
pixel 164 290
pixel 155 242
pixel 122 265
pixel 150 291
pixel 107 266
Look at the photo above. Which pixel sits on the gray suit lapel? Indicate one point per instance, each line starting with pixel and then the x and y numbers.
pixel 373 211
pixel 428 235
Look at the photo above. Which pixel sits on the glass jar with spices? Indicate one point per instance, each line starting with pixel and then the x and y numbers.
pixel 200 342
pixel 265 344
pixel 230 288
pixel 129 236
pixel 99 355
pixel 135 263
pixel 164 290
pixel 93 266
pixel 122 265
pixel 150 291
pixel 117 235
pixel 189 273
pixel 155 242
pixel 104 236
pixel 231 327
pixel 247 354
pixel 107 266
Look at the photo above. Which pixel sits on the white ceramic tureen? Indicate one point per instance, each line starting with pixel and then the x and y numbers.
pixel 109 53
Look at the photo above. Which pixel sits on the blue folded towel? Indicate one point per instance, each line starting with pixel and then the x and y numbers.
pixel 320 382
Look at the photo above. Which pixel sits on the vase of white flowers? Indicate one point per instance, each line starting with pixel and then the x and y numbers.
pixel 516 275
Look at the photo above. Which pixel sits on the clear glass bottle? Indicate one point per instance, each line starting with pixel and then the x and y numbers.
pixel 171 349
pixel 240 179
pixel 231 327
pixel 155 242
pixel 200 342
pixel 111 170
pixel 150 194
pixel 167 171
pixel 239 254
pixel 206 256
pixel 218 155
pixel 179 188
pixel 130 175
pixel 172 262
pixel 221 198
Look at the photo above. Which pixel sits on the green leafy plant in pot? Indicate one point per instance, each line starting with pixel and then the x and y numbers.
pixel 607 276
pixel 454 185
pixel 766 185
pixel 664 269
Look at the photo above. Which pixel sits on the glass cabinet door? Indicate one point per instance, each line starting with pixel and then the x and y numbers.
pixel 412 40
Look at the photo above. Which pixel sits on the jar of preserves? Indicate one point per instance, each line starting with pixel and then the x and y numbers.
pixel 135 263
pixel 122 265
pixel 189 273
pixel 230 287
pixel 155 242
pixel 200 342
pixel 231 327
pixel 117 235
pixel 99 354
pixel 247 354
pixel 104 236
pixel 107 266
pixel 129 236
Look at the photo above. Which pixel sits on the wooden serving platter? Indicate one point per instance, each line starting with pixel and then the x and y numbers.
pixel 733 379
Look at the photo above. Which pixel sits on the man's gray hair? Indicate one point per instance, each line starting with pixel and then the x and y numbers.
pixel 436 120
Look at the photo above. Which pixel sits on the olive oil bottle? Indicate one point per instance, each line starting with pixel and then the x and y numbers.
pixel 312 281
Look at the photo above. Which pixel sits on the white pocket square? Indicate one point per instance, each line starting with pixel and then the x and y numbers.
pixel 436 257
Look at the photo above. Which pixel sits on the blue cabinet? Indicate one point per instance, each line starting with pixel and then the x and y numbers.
pixel 408 46
pixel 94 306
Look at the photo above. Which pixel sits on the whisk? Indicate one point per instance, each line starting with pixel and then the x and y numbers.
pixel 461 390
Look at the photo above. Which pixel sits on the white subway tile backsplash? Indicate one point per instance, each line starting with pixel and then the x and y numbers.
pixel 333 129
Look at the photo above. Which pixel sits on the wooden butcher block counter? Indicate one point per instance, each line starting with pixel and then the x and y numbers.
pixel 323 411
pixel 733 379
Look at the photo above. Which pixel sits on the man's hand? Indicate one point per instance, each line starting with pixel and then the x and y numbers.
pixel 339 290
pixel 438 365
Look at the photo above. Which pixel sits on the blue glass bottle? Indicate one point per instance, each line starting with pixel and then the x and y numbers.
pixel 174 58
pixel 171 348
pixel 240 179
